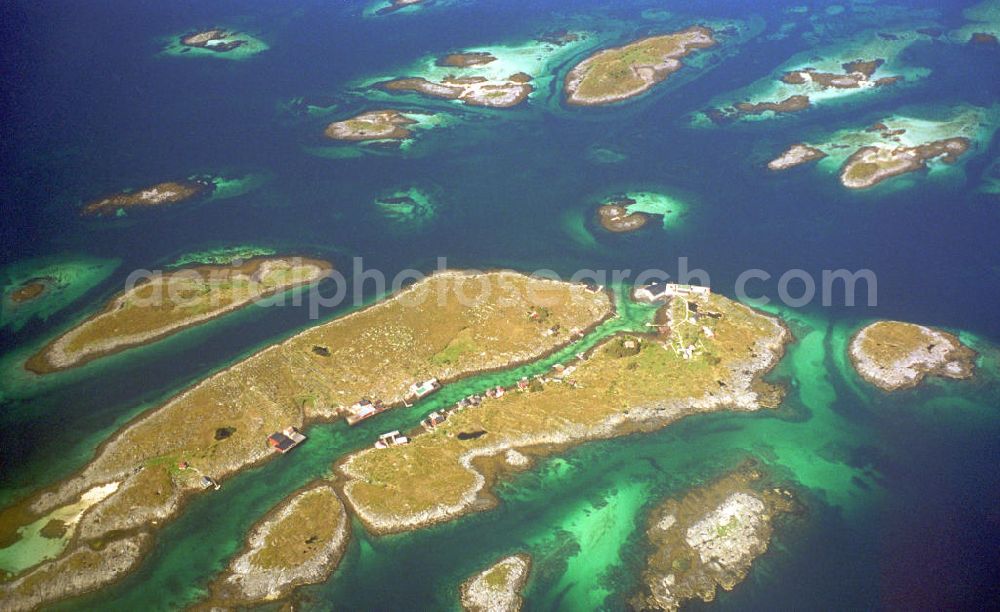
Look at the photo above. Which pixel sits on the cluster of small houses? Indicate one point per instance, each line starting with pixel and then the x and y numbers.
pixel 291 437
pixel 437 418
pixel 661 292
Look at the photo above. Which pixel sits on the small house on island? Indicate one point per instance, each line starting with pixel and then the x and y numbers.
pixel 362 410
pixel 433 420
pixel 422 390
pixel 393 438
pixel 284 441
pixel 496 392
pixel 662 291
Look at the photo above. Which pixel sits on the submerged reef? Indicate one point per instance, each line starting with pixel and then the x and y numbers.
pixel 391 6
pixel 38 288
pixel 222 255
pixel 408 208
pixel 868 62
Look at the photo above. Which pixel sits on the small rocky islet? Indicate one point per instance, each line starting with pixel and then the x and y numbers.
pixel 708 538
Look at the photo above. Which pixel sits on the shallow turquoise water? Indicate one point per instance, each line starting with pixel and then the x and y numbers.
pixel 516 188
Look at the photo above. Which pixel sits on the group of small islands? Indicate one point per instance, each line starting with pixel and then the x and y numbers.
pixel 703 353
pixel 706 353
pixel 894 146
pixel 220 42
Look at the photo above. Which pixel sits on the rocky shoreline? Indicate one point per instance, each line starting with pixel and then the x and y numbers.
pixel 471 90
pixel 871 165
pixel 155 479
pixel 160 194
pixel 709 538
pixel 57 355
pixel 212 40
pixel 498 587
pixel 795 155
pixel 80 571
pixel 588 83
pixel 248 582
pixel 384 124
pixel 893 355
pixel 615 217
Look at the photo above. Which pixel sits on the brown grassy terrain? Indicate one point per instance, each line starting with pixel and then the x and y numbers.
pixel 617 390
pixel 894 355
pixel 300 542
pixel 312 521
pixel 371 125
pixel 622 72
pixel 498 587
pixel 160 194
pixel 377 352
pixel 168 303
pixel 869 166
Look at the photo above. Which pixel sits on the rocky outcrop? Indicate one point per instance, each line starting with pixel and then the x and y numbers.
pixel 893 355
pixel 498 587
pixel 708 539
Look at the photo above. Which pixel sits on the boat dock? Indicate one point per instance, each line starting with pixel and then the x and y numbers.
pixel 284 441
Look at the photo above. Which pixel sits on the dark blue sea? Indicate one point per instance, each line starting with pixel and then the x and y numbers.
pixel 899 490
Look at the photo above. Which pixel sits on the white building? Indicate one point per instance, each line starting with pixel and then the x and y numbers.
pixel 662 291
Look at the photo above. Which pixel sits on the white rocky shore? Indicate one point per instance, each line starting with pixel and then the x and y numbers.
pixel 729 534
pixel 247 581
pixel 498 587
pixel 795 155
pixel 708 539
pixel 894 355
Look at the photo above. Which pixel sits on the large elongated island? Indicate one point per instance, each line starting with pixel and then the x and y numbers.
pixel 445 327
